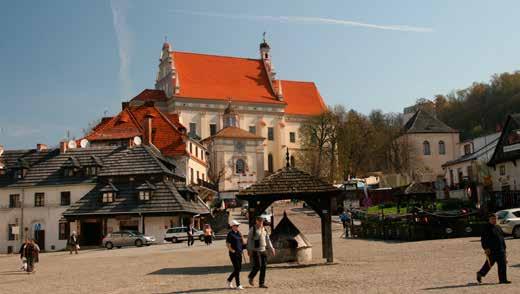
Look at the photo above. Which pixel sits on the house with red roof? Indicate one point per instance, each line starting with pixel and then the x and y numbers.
pixel 147 124
pixel 198 88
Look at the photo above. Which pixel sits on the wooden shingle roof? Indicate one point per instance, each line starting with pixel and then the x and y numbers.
pixel 165 199
pixel 288 181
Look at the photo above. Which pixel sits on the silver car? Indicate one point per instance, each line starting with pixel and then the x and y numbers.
pixel 127 238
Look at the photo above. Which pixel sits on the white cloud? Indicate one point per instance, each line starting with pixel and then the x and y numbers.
pixel 305 19
pixel 124 41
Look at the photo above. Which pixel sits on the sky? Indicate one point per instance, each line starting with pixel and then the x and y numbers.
pixel 64 64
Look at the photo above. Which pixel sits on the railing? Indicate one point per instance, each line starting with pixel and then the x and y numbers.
pixel 207 185
pixel 498 200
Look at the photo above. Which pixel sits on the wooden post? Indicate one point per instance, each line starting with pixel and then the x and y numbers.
pixel 326 230
pixel 251 213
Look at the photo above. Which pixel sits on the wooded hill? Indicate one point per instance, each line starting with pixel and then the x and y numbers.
pixel 481 108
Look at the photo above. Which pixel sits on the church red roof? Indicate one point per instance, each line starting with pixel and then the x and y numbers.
pixel 220 77
pixel 302 98
pixel 212 77
pixel 167 134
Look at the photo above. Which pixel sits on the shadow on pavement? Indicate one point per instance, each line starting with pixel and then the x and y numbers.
pixel 515 265
pixel 221 269
pixel 459 286
pixel 198 291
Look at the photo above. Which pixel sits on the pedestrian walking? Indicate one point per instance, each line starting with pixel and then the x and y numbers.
pixel 258 242
pixel 208 234
pixel 235 245
pixel 191 232
pixel 31 254
pixel 345 220
pixel 22 257
pixel 73 243
pixel 495 250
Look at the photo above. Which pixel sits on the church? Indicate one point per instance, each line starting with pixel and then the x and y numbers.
pixel 202 91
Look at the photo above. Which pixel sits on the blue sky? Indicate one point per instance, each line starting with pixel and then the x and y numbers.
pixel 65 63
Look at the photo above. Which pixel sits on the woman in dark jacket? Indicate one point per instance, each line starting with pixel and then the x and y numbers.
pixel 30 251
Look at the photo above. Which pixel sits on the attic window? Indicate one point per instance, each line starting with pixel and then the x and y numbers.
pixel 145 195
pixel 108 197
pixel 108 193
pixel 91 170
pixel 68 172
pixel 146 191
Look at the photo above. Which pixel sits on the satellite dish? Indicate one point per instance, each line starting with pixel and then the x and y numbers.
pixel 84 143
pixel 72 144
pixel 137 141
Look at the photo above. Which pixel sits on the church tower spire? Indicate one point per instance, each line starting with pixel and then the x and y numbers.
pixel 167 79
pixel 265 55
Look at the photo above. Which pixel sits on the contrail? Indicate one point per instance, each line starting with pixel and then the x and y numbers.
pixel 124 41
pixel 305 19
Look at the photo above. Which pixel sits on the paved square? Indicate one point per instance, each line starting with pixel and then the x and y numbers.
pixel 442 266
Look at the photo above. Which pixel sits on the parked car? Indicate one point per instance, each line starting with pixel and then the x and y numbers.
pixel 179 234
pixel 509 221
pixel 127 238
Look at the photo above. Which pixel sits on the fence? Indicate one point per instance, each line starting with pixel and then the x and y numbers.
pixel 498 200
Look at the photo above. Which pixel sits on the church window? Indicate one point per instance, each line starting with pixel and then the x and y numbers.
pixel 270 167
pixel 442 148
pixel 292 137
pixel 240 166
pixel 193 129
pixel 426 148
pixel 212 129
pixel 270 133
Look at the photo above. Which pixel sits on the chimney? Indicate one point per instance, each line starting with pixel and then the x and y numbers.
pixel 124 105
pixel 41 147
pixel 148 130
pixel 63 147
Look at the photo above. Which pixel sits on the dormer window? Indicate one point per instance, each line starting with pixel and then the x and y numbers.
pixel 145 191
pixel 68 172
pixel 108 193
pixel 108 197
pixel 145 195
pixel 93 167
pixel 21 168
pixel 91 170
pixel 71 167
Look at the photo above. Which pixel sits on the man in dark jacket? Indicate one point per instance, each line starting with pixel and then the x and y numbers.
pixel 495 249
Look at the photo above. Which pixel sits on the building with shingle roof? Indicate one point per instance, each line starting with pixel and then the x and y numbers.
pixel 45 194
pixel 429 143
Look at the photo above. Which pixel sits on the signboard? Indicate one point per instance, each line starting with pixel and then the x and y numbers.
pixel 15 230
pixel 509 148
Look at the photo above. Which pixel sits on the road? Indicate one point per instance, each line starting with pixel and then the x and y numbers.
pixel 361 266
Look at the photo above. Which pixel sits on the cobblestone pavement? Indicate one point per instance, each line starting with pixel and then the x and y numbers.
pixel 361 266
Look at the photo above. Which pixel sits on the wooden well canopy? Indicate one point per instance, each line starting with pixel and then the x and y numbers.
pixel 292 183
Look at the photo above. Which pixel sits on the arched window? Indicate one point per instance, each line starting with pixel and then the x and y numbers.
pixel 270 163
pixel 240 166
pixel 426 148
pixel 442 148
pixel 293 161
